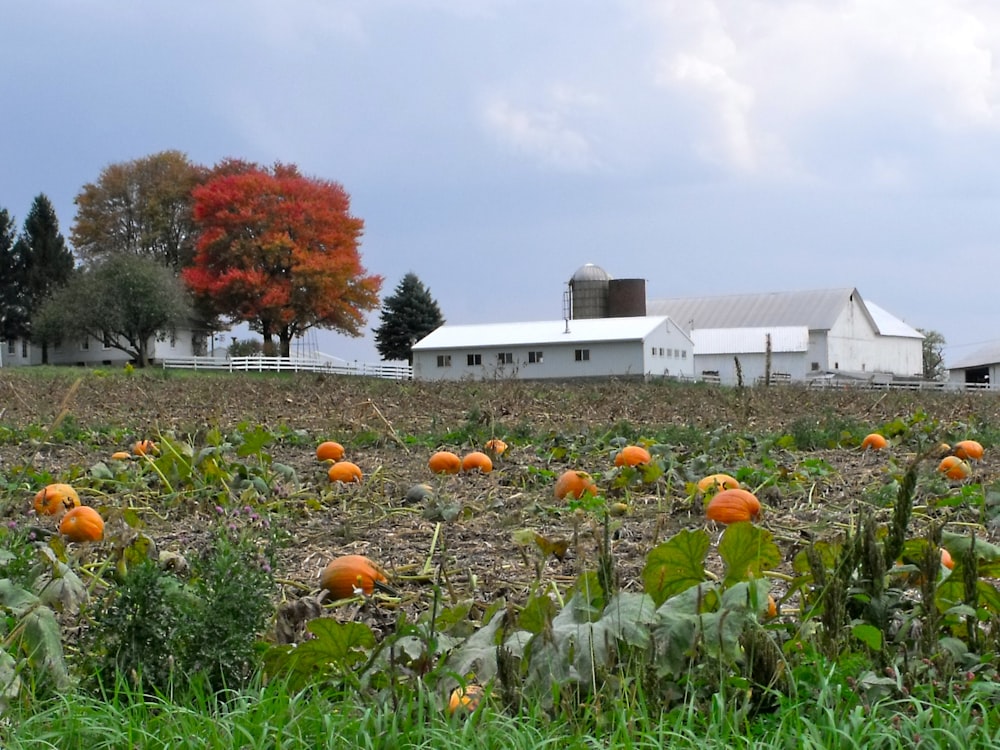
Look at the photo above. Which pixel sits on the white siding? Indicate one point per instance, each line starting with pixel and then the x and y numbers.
pixel 627 356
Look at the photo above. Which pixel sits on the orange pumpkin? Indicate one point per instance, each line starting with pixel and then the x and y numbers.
pixel 445 462
pixel 874 442
pixel 477 460
pixel 145 448
pixel 345 471
pixel 465 698
pixel 969 450
pixel 955 468
pixel 55 498
pixel 946 559
pixel 82 524
pixel 732 506
pixel 121 456
pixel 329 450
pixel 632 455
pixel 574 483
pixel 343 575
pixel 714 482
pixel 496 446
pixel 772 607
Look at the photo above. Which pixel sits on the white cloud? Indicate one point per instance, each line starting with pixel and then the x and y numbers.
pixel 547 132
pixel 772 77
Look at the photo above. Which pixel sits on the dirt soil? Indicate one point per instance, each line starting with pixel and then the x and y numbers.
pixel 818 494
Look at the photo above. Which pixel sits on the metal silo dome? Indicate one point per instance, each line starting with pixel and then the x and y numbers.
pixel 588 291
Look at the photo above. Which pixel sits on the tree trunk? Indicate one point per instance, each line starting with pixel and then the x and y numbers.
pixel 286 344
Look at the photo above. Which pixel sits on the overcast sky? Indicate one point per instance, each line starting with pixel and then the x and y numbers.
pixel 494 146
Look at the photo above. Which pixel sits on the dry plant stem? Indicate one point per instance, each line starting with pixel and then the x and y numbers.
pixel 392 430
pixel 60 416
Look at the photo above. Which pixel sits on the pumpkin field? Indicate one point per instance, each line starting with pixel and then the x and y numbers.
pixel 557 549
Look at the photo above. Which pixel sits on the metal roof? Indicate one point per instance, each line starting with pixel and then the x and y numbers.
pixel 889 325
pixel 987 355
pixel 542 332
pixel 816 310
pixel 750 340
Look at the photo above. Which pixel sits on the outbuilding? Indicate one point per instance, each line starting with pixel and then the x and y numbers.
pixel 635 346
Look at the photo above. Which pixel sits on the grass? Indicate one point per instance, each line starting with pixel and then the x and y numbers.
pixel 270 717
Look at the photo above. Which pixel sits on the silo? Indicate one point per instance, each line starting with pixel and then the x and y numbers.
pixel 626 298
pixel 589 292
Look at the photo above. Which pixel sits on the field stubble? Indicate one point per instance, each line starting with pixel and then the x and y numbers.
pixel 390 429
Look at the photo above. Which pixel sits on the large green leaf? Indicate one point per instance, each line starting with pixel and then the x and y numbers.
pixel 747 551
pixel 676 565
pixel 478 653
pixel 338 647
pixel 957 544
pixel 629 616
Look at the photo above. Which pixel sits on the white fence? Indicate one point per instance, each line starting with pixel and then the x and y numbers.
pixel 322 364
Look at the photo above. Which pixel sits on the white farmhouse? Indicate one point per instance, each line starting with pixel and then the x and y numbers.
pixel 639 346
pixel 88 351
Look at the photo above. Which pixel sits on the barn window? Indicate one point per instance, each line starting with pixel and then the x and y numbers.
pixel 474 359
pixel 814 366
pixel 505 358
pixel 684 353
pixel 582 355
pixel 444 360
pixel 654 351
pixel 661 352
pixel 24 348
pixel 11 346
pixel 85 344
pixel 534 358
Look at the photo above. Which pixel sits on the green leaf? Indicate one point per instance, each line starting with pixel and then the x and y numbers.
pixel 628 615
pixel 254 441
pixel 338 648
pixel 957 544
pixel 748 551
pixel 869 635
pixel 676 565
pixel 478 654
pixel 41 642
pixel 537 613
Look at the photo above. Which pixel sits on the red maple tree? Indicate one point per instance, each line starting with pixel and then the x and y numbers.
pixel 279 251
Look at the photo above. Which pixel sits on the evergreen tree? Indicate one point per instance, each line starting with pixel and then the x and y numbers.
pixel 46 262
pixel 408 314
pixel 13 315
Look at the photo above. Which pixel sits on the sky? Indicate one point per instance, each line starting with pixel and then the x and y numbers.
pixel 492 147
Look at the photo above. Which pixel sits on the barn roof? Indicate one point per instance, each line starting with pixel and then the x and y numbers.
pixel 581 330
pixel 987 355
pixel 815 310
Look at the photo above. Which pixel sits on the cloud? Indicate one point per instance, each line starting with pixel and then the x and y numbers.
pixel 770 77
pixel 547 132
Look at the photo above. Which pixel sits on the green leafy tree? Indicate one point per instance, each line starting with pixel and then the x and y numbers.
pixel 408 314
pixel 933 352
pixel 124 301
pixel 12 305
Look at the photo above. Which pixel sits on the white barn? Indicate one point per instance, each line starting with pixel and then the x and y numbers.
pixel 814 333
pixel 641 346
